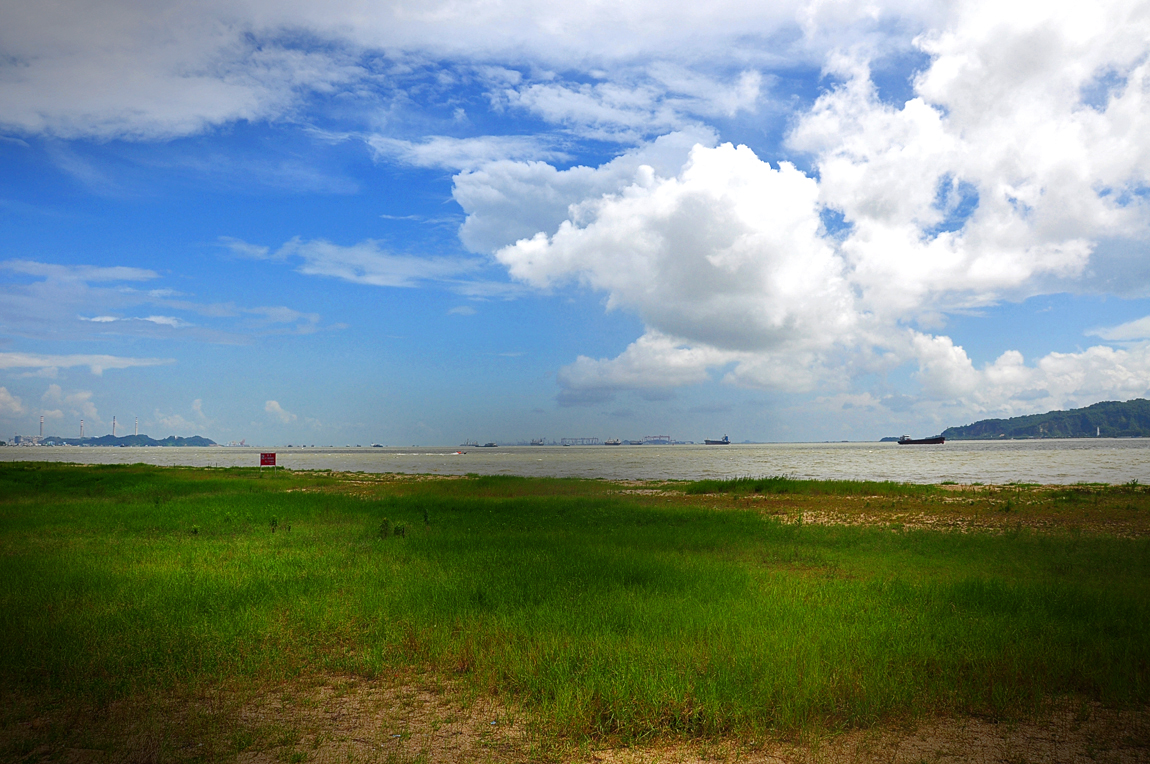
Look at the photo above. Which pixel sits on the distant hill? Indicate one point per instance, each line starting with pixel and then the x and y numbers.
pixel 129 440
pixel 1109 419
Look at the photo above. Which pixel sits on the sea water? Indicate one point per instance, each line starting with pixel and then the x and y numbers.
pixel 1093 460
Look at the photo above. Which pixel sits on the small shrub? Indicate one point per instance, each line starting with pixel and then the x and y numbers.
pixel 400 529
pixel 384 528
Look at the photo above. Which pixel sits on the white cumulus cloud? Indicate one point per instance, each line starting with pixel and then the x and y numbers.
pixel 176 423
pixel 509 200
pixel 277 412
pixel 9 403
pixel 1009 386
pixel 652 361
pixel 727 253
pixel 724 262
pixel 78 403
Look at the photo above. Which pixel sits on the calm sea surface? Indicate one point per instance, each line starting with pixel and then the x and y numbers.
pixel 1099 460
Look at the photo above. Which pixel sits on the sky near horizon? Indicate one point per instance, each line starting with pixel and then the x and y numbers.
pixel 429 222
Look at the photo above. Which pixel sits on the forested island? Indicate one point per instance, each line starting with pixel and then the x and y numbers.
pixel 128 440
pixel 1108 419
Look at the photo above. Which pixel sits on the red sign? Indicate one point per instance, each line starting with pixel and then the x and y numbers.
pixel 268 460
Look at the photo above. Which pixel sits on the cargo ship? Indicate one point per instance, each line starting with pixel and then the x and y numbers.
pixel 724 442
pixel 907 440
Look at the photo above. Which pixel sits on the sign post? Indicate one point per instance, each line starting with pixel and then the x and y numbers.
pixel 268 460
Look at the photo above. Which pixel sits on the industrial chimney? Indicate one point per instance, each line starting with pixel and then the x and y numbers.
pixel 41 427
pixel 113 427
pixel 136 431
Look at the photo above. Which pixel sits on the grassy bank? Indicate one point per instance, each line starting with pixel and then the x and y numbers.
pixel 687 610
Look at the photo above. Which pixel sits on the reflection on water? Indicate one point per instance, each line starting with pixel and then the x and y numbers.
pixel 1101 460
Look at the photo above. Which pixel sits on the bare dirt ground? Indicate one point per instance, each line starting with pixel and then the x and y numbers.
pixel 406 721
pixel 1065 736
pixel 963 509
pixel 328 719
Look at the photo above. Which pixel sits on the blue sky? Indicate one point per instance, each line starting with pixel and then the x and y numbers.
pixel 429 222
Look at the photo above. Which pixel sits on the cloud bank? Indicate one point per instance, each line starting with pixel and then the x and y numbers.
pixel 1025 145
pixel 95 363
pixel 177 67
pixel 277 413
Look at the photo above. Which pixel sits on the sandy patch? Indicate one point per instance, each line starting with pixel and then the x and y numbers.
pixel 360 720
pixel 319 720
pixel 1072 734
pixel 352 719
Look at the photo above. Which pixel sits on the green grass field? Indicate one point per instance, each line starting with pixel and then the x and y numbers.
pixel 688 611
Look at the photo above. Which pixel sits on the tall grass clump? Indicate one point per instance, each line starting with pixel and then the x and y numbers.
pixel 786 485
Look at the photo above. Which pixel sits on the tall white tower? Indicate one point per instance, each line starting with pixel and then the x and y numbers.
pixel 41 427
pixel 113 426
pixel 81 428
pixel 136 431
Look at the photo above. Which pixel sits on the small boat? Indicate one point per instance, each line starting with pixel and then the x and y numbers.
pixel 612 442
pixel 724 442
pixel 907 440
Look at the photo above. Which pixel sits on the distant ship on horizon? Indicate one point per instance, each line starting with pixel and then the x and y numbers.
pixel 724 442
pixel 907 440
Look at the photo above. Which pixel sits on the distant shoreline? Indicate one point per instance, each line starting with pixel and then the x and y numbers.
pixel 1050 461
pixel 122 441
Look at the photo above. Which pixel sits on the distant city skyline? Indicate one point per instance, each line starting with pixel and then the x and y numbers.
pixel 438 222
